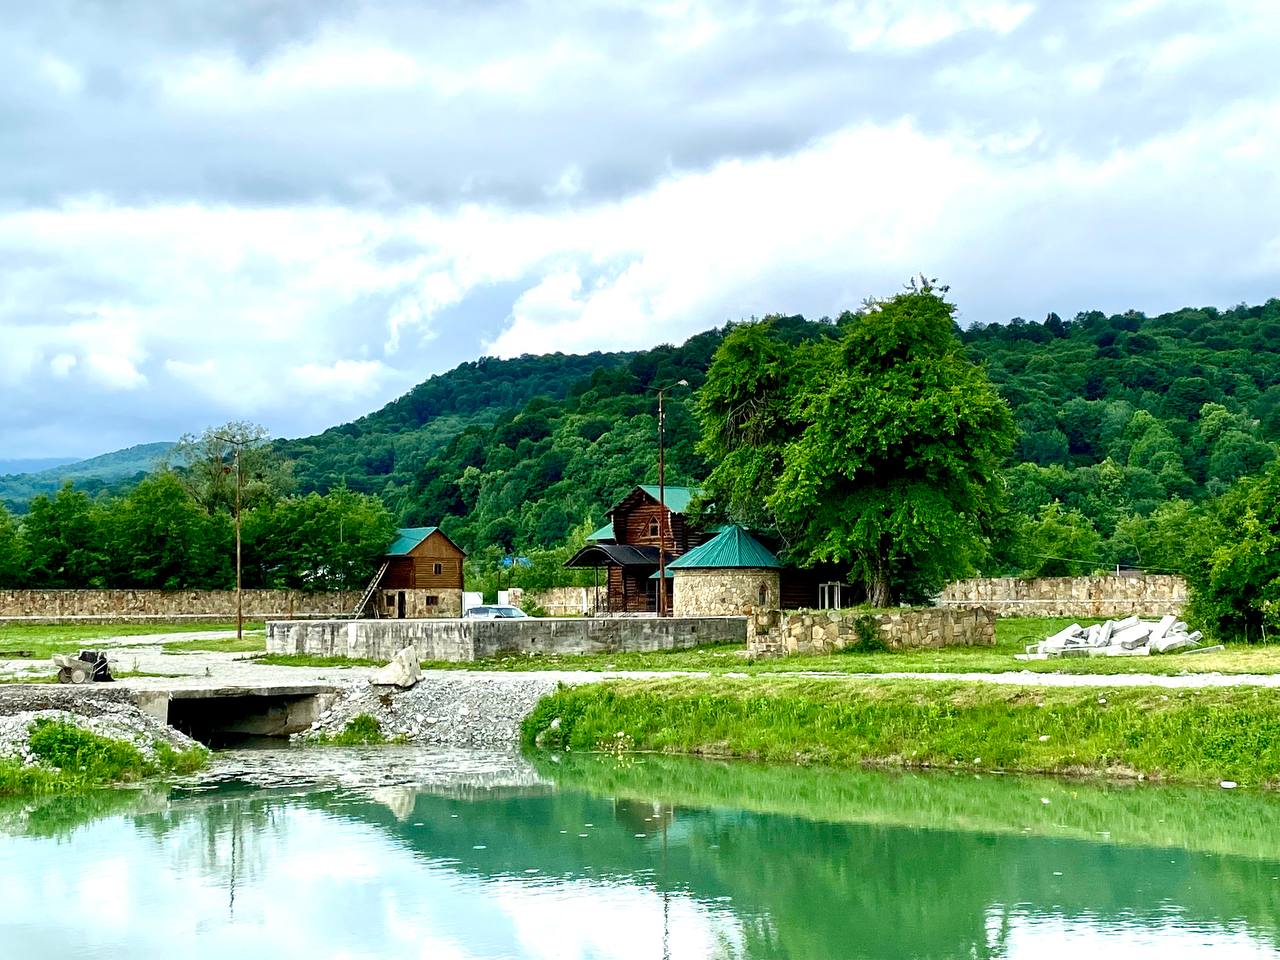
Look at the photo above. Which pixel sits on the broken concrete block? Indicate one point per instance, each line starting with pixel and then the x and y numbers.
pixel 1172 643
pixel 1104 633
pixel 1031 656
pixel 1124 624
pixel 1132 637
pixel 1214 649
pixel 1163 628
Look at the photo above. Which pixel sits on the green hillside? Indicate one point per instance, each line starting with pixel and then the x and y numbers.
pixel 384 452
pixel 106 472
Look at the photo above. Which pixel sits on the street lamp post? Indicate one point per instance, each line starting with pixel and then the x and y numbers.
pixel 662 496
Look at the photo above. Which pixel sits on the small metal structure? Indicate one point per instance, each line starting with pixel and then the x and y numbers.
pixel 89 667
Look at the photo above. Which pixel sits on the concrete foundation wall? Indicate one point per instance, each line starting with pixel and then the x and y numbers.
pixel 772 634
pixel 720 593
pixel 125 606
pixel 463 640
pixel 1111 596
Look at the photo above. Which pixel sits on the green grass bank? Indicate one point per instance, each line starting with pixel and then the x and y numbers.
pixel 1179 736
pixel 70 759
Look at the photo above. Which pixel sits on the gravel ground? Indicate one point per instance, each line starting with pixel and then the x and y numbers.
pixel 108 712
pixel 447 708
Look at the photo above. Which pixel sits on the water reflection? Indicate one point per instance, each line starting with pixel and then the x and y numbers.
pixel 593 857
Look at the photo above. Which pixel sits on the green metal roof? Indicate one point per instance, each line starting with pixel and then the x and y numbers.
pixel 407 538
pixel 676 498
pixel 604 533
pixel 732 548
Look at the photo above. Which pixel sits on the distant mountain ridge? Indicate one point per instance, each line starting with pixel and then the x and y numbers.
pixel 92 475
pixel 23 465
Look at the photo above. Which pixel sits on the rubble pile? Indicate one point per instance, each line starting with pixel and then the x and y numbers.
pixel 1130 637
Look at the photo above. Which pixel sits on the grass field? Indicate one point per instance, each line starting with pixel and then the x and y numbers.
pixel 1188 736
pixel 39 642
pixel 1012 635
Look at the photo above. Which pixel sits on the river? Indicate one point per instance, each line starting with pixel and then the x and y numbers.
pixel 407 852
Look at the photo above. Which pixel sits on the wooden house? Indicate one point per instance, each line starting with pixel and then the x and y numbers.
pixel 626 548
pixel 421 576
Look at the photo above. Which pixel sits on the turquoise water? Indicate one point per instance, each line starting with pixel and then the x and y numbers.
pixel 454 856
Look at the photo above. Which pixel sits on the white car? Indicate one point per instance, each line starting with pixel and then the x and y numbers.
pixel 495 611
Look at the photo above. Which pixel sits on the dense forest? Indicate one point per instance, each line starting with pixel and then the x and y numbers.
pixel 1127 425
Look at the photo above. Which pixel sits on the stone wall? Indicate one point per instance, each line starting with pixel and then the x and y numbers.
pixel 724 593
pixel 1110 596
pixel 130 606
pixel 564 601
pixel 462 640
pixel 772 633
pixel 448 603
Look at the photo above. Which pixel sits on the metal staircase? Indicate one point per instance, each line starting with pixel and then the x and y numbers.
pixel 370 591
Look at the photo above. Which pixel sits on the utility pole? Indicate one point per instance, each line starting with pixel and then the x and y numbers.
pixel 662 497
pixel 237 444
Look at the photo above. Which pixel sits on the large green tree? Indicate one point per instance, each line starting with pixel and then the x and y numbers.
pixel 1235 591
pixel 206 466
pixel 316 542
pixel 879 451
pixel 13 558
pixel 64 538
pixel 158 537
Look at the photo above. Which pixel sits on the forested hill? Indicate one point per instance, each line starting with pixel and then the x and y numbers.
pixel 384 451
pixel 1112 411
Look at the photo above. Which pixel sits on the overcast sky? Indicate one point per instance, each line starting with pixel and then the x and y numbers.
pixel 291 211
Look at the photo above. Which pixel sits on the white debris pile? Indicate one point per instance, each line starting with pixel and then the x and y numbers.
pixel 1130 637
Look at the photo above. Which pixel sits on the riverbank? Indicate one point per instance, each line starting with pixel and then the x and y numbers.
pixel 1198 735
pixel 52 740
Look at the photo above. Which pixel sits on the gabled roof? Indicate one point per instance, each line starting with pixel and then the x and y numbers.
pixel 604 533
pixel 614 554
pixel 676 498
pixel 734 547
pixel 407 538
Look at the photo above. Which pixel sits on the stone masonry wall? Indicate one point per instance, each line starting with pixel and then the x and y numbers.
pixel 448 603
pixel 52 606
pixel 564 601
pixel 461 640
pixel 772 634
pixel 722 593
pixel 1109 596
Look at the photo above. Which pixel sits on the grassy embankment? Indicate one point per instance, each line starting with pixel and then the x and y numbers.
pixel 72 759
pixel 1012 635
pixel 39 642
pixel 1187 736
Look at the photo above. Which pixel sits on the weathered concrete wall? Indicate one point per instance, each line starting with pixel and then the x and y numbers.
pixel 773 634
pixel 52 606
pixel 1110 596
pixel 724 593
pixel 461 640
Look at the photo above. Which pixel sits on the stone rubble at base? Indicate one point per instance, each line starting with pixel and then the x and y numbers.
pixel 1130 637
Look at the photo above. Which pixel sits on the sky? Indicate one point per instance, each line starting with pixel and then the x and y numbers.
pixel 292 211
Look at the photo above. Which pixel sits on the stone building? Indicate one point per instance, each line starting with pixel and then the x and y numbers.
pixel 731 574
pixel 421 576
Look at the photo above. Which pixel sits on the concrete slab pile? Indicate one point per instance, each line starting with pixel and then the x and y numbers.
pixel 1130 637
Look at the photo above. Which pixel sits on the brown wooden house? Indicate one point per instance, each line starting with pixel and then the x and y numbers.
pixel 421 576
pixel 627 547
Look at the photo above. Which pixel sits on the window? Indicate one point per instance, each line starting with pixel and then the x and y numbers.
pixel 437 569
pixel 764 594
pixel 432 601
pixel 391 599
pixel 653 526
